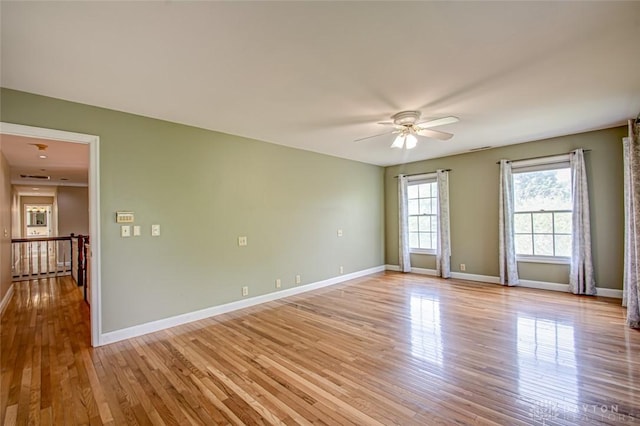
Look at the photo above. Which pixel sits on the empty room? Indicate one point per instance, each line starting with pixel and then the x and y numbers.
pixel 341 213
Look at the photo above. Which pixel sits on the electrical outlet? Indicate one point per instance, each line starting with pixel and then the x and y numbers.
pixel 245 291
pixel 298 280
pixel 155 230
pixel 242 241
pixel 463 267
pixel 342 269
pixel 339 232
pixel 278 283
pixel 125 231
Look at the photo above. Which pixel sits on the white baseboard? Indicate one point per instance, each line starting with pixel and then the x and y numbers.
pixel 542 285
pixel 609 292
pixel 153 326
pixel 600 291
pixel 475 277
pixel 6 299
pixel 421 271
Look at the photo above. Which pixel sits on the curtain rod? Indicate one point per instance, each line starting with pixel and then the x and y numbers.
pixel 424 173
pixel 542 156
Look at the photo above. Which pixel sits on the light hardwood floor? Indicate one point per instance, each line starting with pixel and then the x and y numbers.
pixel 384 349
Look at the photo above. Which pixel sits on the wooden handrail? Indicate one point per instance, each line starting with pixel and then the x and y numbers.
pixel 30 240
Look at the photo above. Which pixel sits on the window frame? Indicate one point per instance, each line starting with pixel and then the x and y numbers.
pixel 417 180
pixel 538 165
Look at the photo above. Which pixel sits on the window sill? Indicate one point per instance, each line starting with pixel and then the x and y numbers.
pixel 544 259
pixel 422 251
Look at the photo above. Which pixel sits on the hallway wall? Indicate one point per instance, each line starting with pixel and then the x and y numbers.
pixel 73 210
pixel 5 226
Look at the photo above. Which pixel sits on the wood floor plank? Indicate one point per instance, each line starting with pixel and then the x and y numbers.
pixel 388 348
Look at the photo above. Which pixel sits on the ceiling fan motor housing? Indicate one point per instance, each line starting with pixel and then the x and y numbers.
pixel 406 118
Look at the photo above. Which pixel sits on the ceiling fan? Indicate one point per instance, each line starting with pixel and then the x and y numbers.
pixel 407 126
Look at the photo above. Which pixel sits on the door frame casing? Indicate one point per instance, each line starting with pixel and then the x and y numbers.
pixel 94 207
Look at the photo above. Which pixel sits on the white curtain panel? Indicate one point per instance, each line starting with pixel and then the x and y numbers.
pixel 629 255
pixel 630 288
pixel 404 258
pixel 581 278
pixel 507 249
pixel 443 251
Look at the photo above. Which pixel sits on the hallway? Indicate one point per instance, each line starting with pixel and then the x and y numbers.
pixel 45 342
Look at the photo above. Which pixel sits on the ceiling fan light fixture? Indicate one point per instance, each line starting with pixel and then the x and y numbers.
pixel 411 141
pixel 405 140
pixel 399 141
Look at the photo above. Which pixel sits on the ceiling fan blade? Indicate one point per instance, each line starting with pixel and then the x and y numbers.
pixel 375 136
pixel 391 123
pixel 443 136
pixel 437 122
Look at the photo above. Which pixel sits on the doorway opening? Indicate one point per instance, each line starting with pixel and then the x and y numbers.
pixel 33 220
pixel 37 220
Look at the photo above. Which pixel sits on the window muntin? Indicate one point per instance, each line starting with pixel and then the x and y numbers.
pixel 423 215
pixel 542 212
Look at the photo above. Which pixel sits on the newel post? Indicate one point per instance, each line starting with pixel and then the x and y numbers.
pixel 80 273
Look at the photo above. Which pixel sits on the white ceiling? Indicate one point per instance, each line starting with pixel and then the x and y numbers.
pixel 66 163
pixel 317 75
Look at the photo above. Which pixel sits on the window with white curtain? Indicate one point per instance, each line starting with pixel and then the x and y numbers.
pixel 542 210
pixel 422 214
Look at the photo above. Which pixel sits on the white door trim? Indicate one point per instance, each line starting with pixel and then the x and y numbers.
pixel 94 207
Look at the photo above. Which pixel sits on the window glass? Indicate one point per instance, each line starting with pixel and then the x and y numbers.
pixel 422 212
pixel 542 212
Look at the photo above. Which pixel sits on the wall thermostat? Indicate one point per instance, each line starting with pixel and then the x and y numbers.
pixel 124 217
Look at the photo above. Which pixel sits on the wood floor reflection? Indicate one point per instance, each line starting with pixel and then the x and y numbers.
pixel 384 349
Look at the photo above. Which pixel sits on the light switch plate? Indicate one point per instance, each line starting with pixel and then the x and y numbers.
pixel 155 230
pixel 339 232
pixel 125 231
pixel 136 230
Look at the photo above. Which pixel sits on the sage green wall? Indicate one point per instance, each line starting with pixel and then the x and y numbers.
pixel 5 225
pixel 473 191
pixel 205 189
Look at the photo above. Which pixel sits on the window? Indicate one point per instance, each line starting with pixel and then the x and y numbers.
pixel 423 215
pixel 542 212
